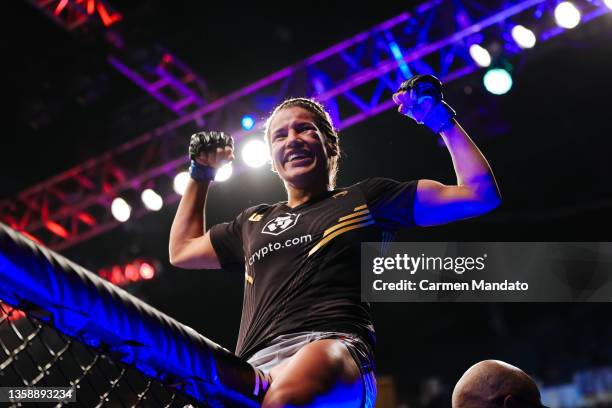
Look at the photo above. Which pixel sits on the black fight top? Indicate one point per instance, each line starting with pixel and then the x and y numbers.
pixel 302 264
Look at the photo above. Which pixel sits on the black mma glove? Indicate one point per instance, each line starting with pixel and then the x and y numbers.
pixel 206 142
pixel 420 98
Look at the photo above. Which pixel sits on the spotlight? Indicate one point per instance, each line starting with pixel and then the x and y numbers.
pixel 135 271
pixel 224 172
pixel 497 81
pixel 131 272
pixel 567 15
pixel 480 55
pixel 255 153
pixel 152 200
pixel 523 36
pixel 247 122
pixel 180 182
pixel 147 271
pixel 608 4
pixel 121 210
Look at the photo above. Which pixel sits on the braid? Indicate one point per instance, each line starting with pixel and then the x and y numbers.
pixel 323 122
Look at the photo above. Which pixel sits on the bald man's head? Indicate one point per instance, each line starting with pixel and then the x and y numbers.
pixel 494 384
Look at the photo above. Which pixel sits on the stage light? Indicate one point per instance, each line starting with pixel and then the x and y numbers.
pixel 523 36
pixel 255 153
pixel 131 272
pixel 147 271
pixel 86 219
pixel 56 228
pixel 608 4
pixel 60 6
pixel 247 122
pixel 14 314
pixel 480 55
pixel 152 200
pixel 180 182
pixel 224 172
pixel 121 210
pixel 567 15
pixel 497 81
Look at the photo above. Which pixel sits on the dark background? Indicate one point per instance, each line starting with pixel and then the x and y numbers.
pixel 547 141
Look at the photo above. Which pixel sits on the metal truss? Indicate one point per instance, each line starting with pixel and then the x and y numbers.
pixel 169 80
pixel 72 14
pixel 355 80
pixel 157 71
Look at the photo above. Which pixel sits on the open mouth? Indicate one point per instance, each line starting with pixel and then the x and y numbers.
pixel 299 157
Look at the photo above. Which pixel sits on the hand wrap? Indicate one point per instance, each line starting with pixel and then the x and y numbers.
pixel 206 142
pixel 437 114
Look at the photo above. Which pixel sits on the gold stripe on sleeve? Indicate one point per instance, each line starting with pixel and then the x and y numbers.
pixel 349 222
pixel 361 207
pixel 336 233
pixel 353 215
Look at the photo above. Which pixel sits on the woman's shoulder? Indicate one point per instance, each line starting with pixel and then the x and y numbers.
pixel 261 209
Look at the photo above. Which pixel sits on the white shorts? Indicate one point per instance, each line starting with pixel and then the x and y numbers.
pixel 286 345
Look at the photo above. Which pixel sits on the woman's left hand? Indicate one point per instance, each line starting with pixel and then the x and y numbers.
pixel 420 98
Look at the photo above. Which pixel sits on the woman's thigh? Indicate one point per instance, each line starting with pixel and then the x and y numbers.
pixel 322 373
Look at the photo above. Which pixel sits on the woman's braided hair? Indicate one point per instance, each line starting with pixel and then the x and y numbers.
pixel 325 125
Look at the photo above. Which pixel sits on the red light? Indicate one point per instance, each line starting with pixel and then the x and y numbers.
pixel 30 236
pixel 107 19
pixel 90 7
pixel 56 229
pixel 61 5
pixel 167 58
pixel 87 219
pixel 122 275
pixel 147 271
pixel 7 219
pixel 117 277
pixel 131 273
pixel 103 273
pixel 15 314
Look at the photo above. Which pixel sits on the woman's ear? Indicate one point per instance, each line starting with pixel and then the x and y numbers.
pixel 272 167
pixel 332 148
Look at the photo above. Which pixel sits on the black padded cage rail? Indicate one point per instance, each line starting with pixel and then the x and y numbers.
pixel 64 326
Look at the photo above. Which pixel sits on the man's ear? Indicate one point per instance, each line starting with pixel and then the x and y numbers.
pixel 510 402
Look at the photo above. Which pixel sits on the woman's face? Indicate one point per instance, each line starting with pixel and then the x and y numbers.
pixel 297 148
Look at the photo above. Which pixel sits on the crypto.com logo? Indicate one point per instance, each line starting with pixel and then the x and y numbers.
pixel 280 224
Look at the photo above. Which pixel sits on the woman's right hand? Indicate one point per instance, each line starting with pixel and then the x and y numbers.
pixel 213 149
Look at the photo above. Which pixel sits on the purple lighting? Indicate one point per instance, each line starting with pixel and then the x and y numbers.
pixel 354 78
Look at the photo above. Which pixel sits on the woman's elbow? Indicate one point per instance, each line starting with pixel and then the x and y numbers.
pixel 173 258
pixel 490 203
pixel 184 260
pixel 177 257
pixel 182 263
